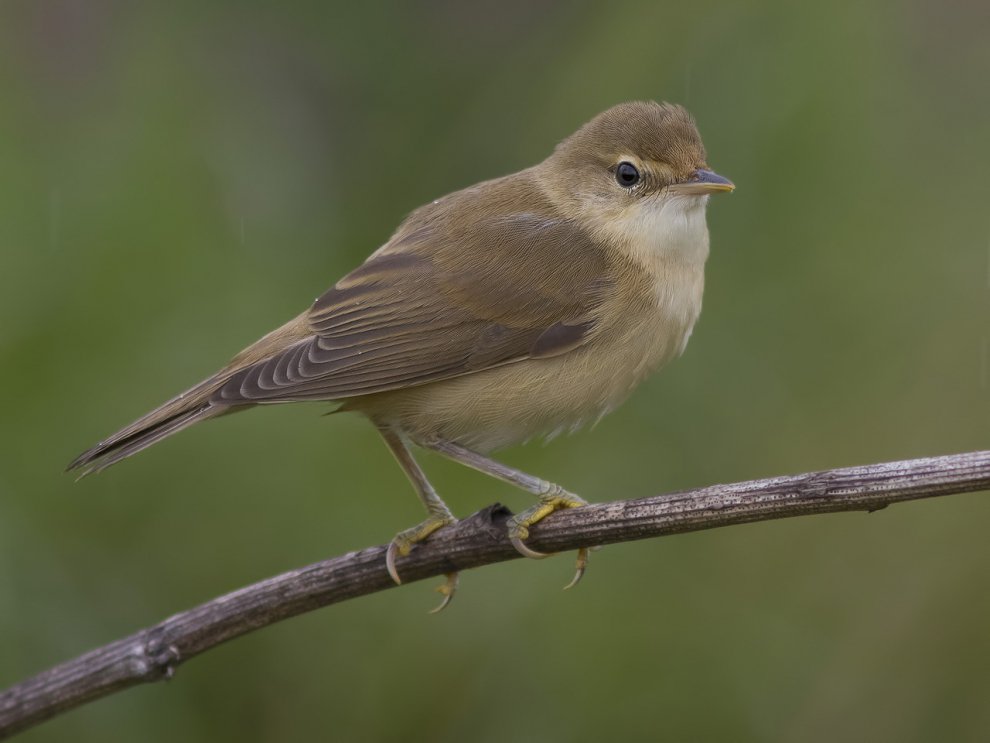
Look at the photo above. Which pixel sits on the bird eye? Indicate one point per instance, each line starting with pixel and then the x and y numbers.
pixel 626 175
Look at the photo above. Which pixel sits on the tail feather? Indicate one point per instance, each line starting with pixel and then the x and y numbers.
pixel 178 413
pixel 105 454
pixel 191 406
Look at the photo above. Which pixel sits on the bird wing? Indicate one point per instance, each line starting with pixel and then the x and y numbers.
pixel 435 303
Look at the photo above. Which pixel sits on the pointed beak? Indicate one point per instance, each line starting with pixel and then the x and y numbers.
pixel 703 182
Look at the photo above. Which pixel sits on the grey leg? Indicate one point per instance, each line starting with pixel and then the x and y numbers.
pixel 551 496
pixel 439 515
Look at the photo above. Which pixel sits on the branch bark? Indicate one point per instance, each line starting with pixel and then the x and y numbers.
pixel 154 653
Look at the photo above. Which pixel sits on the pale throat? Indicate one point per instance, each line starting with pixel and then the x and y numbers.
pixel 668 238
pixel 663 230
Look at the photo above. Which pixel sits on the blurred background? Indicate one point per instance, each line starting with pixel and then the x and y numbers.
pixel 177 179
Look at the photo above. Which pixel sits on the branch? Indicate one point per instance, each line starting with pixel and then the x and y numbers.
pixel 154 653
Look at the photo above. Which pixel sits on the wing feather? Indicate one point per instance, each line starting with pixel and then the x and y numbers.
pixel 440 300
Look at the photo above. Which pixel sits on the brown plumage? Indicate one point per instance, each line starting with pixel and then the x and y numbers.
pixel 519 306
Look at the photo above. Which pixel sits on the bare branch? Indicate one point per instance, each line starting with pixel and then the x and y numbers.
pixel 155 652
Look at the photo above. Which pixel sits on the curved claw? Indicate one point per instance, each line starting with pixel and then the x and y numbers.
pixel 447 590
pixel 525 551
pixel 403 542
pixel 390 554
pixel 582 563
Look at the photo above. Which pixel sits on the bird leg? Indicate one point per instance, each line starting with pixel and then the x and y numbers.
pixel 551 497
pixel 439 515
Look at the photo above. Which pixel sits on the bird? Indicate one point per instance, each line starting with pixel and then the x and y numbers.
pixel 519 307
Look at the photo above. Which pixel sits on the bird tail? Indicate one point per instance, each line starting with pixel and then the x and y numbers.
pixel 191 406
pixel 180 412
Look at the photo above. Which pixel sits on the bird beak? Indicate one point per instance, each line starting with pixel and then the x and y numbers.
pixel 702 182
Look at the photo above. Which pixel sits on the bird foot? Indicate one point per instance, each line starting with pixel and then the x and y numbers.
pixel 554 500
pixel 402 544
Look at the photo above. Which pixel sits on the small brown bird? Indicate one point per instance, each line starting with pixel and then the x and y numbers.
pixel 522 306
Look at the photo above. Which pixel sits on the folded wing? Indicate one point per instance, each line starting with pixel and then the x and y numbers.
pixel 415 314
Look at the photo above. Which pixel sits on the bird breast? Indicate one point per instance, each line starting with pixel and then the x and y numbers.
pixel 648 325
pixel 660 249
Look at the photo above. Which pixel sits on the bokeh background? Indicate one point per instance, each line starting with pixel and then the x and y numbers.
pixel 178 178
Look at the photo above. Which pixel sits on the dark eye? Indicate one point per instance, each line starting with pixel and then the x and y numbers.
pixel 626 175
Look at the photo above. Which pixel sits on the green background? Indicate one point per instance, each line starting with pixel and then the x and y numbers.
pixel 178 178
